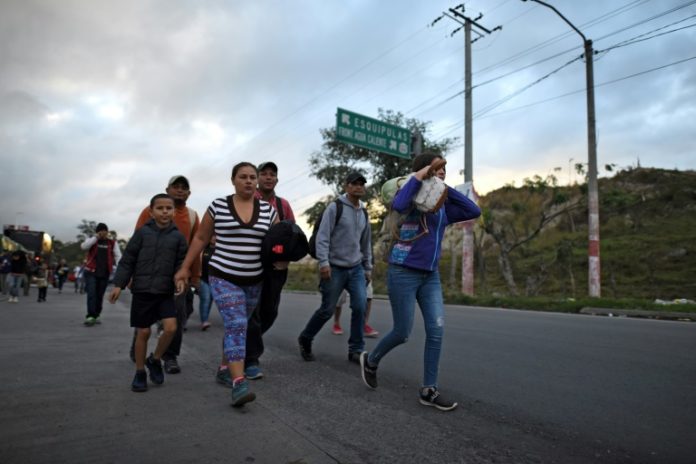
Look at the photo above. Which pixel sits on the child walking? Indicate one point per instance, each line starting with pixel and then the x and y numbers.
pixel 42 281
pixel 152 257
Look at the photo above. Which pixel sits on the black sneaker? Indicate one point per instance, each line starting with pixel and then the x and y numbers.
pixel 155 367
pixel 139 382
pixel 369 373
pixel 431 397
pixel 171 366
pixel 354 357
pixel 305 348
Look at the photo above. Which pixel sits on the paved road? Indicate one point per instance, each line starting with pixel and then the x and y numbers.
pixel 522 380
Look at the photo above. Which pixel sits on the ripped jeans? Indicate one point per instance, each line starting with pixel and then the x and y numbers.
pixel 406 286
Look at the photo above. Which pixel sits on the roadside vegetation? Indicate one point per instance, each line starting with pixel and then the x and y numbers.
pixel 531 241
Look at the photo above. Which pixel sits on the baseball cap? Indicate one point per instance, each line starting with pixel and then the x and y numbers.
pixel 178 178
pixel 355 176
pixel 268 165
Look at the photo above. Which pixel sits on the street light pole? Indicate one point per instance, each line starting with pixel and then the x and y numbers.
pixel 594 276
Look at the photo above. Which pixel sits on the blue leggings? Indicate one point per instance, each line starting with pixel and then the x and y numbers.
pixel 236 304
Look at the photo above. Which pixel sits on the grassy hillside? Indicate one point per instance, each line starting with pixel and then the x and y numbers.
pixel 647 233
pixel 648 240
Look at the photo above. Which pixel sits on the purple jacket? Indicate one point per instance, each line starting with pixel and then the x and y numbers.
pixel 424 252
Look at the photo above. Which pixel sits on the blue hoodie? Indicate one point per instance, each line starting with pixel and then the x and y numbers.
pixel 424 252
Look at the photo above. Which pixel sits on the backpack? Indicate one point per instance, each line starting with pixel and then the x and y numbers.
pixel 388 234
pixel 192 221
pixel 279 209
pixel 284 241
pixel 315 229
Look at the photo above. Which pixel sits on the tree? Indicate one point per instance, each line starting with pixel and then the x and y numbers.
pixel 87 229
pixel 332 163
pixel 512 222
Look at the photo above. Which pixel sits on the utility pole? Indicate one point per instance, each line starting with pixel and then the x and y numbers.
pixel 468 227
pixel 594 275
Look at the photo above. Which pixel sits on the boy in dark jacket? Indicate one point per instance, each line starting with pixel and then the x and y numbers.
pixel 152 257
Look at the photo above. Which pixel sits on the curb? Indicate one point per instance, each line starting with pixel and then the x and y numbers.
pixel 644 313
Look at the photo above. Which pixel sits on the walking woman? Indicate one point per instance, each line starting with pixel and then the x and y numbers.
pixel 239 223
pixel 413 276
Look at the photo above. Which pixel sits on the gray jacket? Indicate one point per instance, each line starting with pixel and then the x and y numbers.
pixel 349 242
pixel 151 259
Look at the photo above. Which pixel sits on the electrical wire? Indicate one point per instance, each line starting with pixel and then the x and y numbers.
pixel 574 92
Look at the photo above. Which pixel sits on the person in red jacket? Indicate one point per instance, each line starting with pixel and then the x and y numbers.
pixel 103 253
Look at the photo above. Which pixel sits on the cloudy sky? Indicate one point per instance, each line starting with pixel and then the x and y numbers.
pixel 102 101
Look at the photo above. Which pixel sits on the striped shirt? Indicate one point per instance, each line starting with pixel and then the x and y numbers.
pixel 237 256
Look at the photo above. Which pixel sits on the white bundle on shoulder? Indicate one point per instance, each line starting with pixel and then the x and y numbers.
pixel 430 197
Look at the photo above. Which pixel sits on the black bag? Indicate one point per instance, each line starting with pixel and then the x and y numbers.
pixel 284 241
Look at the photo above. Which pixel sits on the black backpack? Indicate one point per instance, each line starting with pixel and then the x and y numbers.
pixel 339 211
pixel 284 241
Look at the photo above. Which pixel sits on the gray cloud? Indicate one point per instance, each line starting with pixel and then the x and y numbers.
pixel 100 102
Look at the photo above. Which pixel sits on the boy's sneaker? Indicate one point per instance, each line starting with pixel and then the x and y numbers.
pixel 171 366
pixel 354 357
pixel 155 367
pixel 89 321
pixel 369 374
pixel 431 397
pixel 223 377
pixel 305 348
pixel 253 372
pixel 139 382
pixel 241 394
pixel 337 330
pixel 370 332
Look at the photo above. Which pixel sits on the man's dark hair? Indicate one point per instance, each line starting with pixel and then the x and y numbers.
pixel 157 197
pixel 239 166
pixel 423 160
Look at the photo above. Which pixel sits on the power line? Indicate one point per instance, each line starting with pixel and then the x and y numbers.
pixel 571 49
pixel 642 38
pixel 335 85
pixel 567 94
pixel 603 37
pixel 525 88
pixel 659 15
pixel 597 20
pixel 557 38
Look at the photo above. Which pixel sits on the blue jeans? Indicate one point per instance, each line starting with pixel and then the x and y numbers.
pixel 15 282
pixel 205 301
pixel 95 287
pixel 353 280
pixel 406 286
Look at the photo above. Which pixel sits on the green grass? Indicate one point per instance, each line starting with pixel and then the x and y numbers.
pixel 304 277
pixel 567 305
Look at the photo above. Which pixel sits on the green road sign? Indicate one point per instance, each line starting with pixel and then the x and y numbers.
pixel 372 134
